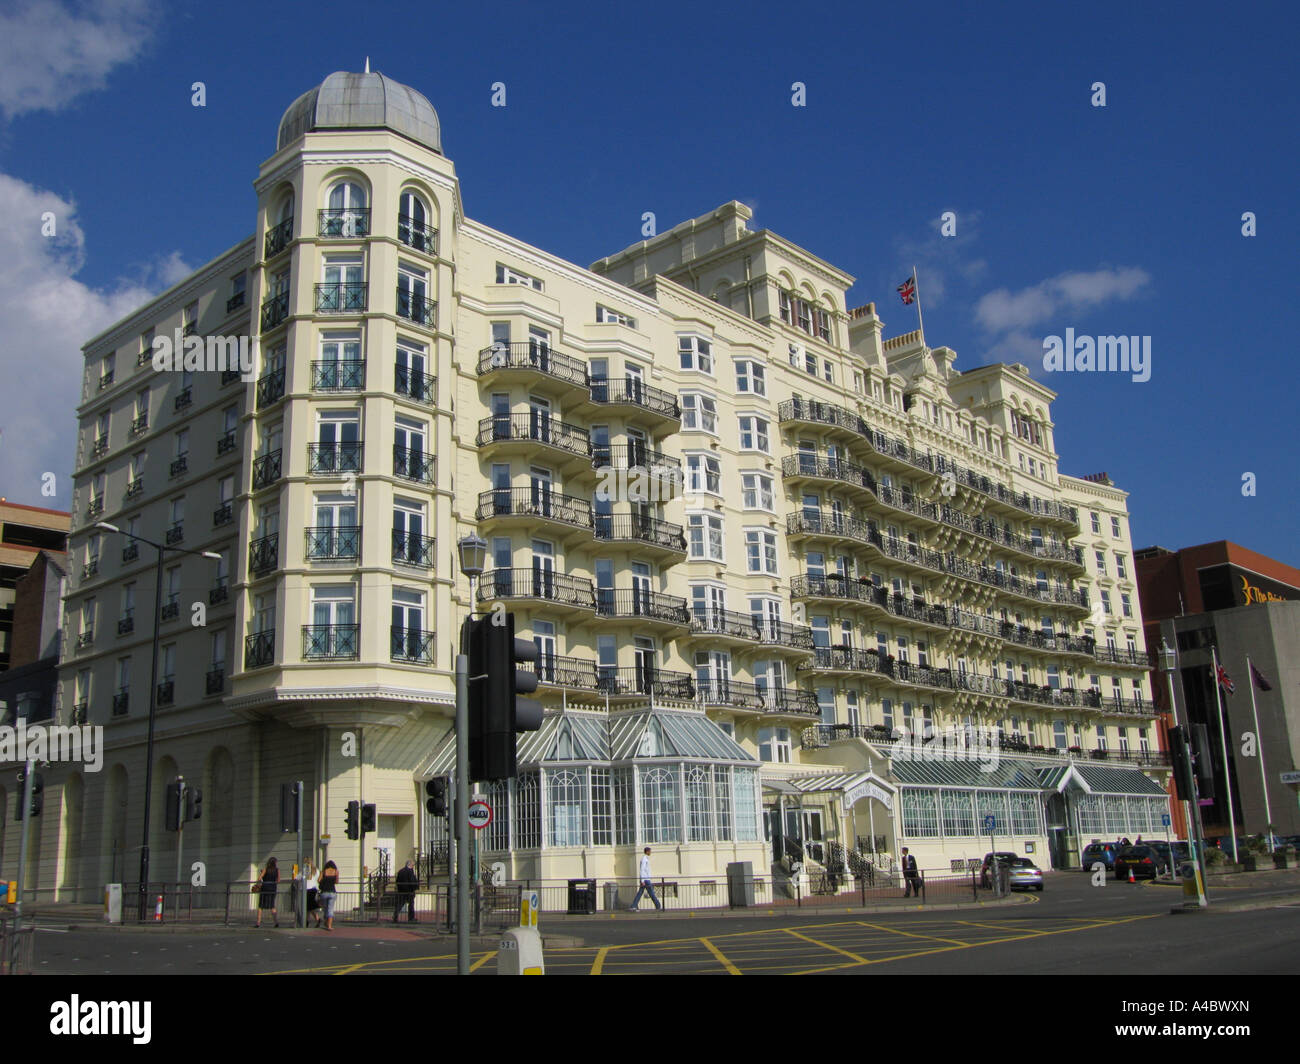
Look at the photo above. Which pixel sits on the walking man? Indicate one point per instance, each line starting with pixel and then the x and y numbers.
pixel 647 887
pixel 911 877
pixel 407 884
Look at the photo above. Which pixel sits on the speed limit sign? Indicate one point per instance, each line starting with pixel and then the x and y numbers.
pixel 480 815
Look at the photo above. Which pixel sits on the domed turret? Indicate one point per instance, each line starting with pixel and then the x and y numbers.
pixel 362 101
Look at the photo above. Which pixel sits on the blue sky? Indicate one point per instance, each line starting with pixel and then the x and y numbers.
pixel 1117 220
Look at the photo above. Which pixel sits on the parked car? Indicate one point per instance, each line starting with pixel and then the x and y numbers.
pixel 1171 854
pixel 1100 851
pixel 1144 860
pixel 1025 875
pixel 1005 857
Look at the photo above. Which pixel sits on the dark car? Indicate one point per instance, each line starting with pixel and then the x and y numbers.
pixel 1144 861
pixel 1171 854
pixel 1004 857
pixel 1103 852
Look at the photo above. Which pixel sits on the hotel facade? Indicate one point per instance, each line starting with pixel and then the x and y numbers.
pixel 754 540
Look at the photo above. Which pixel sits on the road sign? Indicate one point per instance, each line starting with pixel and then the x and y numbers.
pixel 990 822
pixel 1166 820
pixel 1291 777
pixel 479 815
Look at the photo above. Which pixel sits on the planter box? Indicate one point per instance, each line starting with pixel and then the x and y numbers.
pixel 1282 859
pixel 1223 869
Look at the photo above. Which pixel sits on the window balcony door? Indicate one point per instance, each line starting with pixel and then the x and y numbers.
pixel 635 377
pixel 340 445
pixel 409 441
pixel 411 372
pixel 604 585
pixel 641 595
pixel 543 569
pixel 540 480
pixel 539 349
pixel 643 658
pixel 544 641
pixel 539 418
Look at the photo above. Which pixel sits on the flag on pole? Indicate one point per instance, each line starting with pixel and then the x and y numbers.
pixel 1258 677
pixel 908 289
pixel 1225 681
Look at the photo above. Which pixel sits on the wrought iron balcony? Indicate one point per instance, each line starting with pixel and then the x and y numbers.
pixel 790 700
pixel 635 456
pixel 215 681
pixel 105 379
pixel 417 308
pixel 234 303
pixel 632 392
pixel 1131 706
pixel 345 223
pixel 266 469
pixel 100 447
pixel 417 235
pixel 1115 656
pixel 80 714
pixel 126 623
pixel 641 602
pixel 144 357
pixel 329 458
pixel 624 681
pixel 139 424
pixel 331 642
pixel 411 464
pixel 270 387
pixel 184 398
pixel 412 645
pixel 716 691
pixel 555 670
pixel 275 309
pixel 415 385
pixel 259 649
pixel 264 554
pixel 121 703
pixel 171 610
pixel 166 692
pixel 531 426
pixel 531 502
pixel 229 376
pixel 546 585
pixel 190 328
pixel 278 238
pixel 339 376
pixel 410 548
pixel 130 552
pixel 529 355
pixel 633 528
pixel 706 620
pixel 341 298
pixel 180 464
pixel 95 507
pixel 815 412
pixel 175 533
pixel 780 633
pixel 91 568
pixel 218 595
pixel 341 543
pixel 226 442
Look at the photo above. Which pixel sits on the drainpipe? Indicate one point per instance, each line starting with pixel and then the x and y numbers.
pixel 749 295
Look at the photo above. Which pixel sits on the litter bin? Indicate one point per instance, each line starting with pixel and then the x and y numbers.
pixel 582 896
pixel 740 884
pixel 611 897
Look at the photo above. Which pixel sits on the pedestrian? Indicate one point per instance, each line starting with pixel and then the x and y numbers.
pixel 407 884
pixel 329 886
pixel 647 887
pixel 270 886
pixel 911 877
pixel 1124 841
pixel 311 880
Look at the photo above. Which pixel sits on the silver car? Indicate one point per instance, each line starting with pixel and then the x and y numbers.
pixel 1025 875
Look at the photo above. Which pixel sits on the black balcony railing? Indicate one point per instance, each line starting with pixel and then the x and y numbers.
pixel 218 595
pixel 1117 656
pixel 339 457
pixel 80 714
pixel 340 543
pixel 546 585
pixel 275 309
pixel 412 464
pixel 633 528
pixel 790 700
pixel 126 623
pixel 264 554
pixel 534 427
pixel 339 376
pixel 226 442
pixel 234 303
pixel 130 552
pixel 184 398
pixel 412 645
pixel 635 455
pixel 533 502
pixel 215 681
pixel 100 447
pixel 259 649
pixel 417 235
pixel 331 642
pixel 411 548
pixel 170 611
pixel 139 424
pixel 180 464
pixel 91 568
pixel 95 507
pixel 223 514
pixel 341 297
pixel 415 385
pixel 277 238
pixel 632 392
pixel 266 469
pixel 717 691
pixel 134 487
pixel 343 222
pixel 270 387
pixel 559 671
pixel 166 692
pixel 175 533
pixel 819 413
pixel 631 680
pixel 105 379
pixel 539 358
pixel 229 376
pixel 417 308
pixel 641 602
pixel 780 633
pixel 121 703
pixel 706 620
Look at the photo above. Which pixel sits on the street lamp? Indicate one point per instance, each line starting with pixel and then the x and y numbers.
pixel 153 691
pixel 1168 658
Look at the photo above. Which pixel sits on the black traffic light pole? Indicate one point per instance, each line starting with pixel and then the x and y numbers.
pixel 29 772
pixel 461 807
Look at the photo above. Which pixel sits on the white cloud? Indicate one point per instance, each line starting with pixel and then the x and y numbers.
pixel 51 52
pixel 1006 311
pixel 46 314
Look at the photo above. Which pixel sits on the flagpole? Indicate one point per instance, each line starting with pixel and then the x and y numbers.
pixel 1259 740
pixel 1223 738
pixel 919 321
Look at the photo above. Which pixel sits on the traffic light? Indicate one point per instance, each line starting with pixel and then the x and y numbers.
pixel 193 803
pixel 288 807
pixel 175 797
pixel 38 796
pixel 496 712
pixel 436 789
pixel 1204 764
pixel 1182 766
pixel 368 818
pixel 354 820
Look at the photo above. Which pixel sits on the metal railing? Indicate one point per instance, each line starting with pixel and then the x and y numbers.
pixel 643 603
pixel 413 384
pixel 638 529
pixel 346 375
pixel 532 502
pixel 540 429
pixel 632 392
pixel 341 297
pixel 343 222
pixel 277 239
pixel 331 642
pixel 341 457
pixel 275 309
pixel 270 387
pixel 416 308
pixel 334 543
pixel 634 456
pixel 412 645
pixel 215 681
pixel 259 648
pixel 410 548
pixel 417 235
pixel 412 464
pixel 537 357
pixel 17 948
pixel 264 554
pixel 541 584
pixel 628 680
pixel 266 469
pixel 223 514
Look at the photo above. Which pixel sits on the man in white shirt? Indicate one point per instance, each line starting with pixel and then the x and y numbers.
pixel 647 887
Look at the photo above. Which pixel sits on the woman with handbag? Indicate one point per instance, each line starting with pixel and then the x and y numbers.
pixel 329 886
pixel 269 887
pixel 311 883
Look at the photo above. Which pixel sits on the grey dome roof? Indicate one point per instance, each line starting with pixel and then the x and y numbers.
pixel 362 101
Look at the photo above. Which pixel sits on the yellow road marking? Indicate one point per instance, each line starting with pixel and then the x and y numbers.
pixel 599 962
pixel 350 968
pixel 913 934
pixel 827 945
pixel 482 961
pixel 721 959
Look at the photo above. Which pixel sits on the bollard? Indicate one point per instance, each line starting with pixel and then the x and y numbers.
pixel 158 910
pixel 521 947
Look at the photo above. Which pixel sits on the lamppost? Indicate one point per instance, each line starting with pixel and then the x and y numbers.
pixel 1168 665
pixel 473 552
pixel 153 691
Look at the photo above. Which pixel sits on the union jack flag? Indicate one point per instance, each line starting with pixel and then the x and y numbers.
pixel 1225 681
pixel 908 289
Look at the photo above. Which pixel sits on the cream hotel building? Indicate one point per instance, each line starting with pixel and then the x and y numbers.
pixel 818 536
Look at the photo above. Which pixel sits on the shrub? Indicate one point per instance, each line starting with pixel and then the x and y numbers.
pixel 1215 856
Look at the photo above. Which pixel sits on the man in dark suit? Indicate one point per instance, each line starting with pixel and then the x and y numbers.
pixel 911 877
pixel 407 884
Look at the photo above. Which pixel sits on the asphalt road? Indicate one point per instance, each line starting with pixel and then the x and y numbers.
pixel 1071 928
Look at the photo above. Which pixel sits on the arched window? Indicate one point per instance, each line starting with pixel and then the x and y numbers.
pixel 698 805
pixel 413 227
pixel 659 815
pixel 347 215
pixel 566 807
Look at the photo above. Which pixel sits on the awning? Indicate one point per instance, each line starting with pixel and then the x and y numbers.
pixel 854 786
pixel 1006 774
pixel 1109 779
